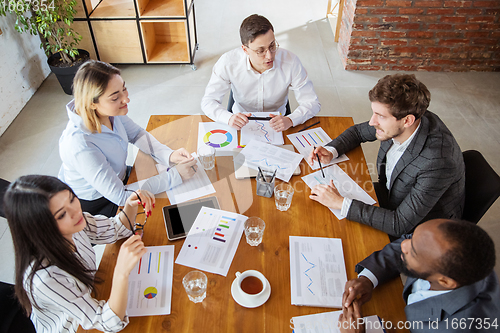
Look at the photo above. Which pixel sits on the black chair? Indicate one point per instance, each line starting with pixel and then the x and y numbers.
pixel 3 187
pixel 12 316
pixel 482 186
pixel 230 104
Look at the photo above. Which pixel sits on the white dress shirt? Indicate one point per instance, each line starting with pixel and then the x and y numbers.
pixel 256 92
pixel 420 289
pixel 94 164
pixel 63 301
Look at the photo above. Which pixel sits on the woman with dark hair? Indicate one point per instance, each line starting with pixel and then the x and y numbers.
pixel 55 261
pixel 94 145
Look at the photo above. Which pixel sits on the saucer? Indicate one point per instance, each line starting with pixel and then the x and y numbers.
pixel 253 303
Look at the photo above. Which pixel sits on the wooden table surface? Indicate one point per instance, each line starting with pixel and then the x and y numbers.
pixel 219 312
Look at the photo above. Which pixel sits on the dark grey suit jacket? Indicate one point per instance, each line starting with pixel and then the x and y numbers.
pixel 480 300
pixel 427 182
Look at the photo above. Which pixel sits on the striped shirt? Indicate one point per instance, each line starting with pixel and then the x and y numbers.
pixel 63 300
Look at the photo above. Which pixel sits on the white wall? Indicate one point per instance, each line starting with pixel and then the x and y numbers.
pixel 23 67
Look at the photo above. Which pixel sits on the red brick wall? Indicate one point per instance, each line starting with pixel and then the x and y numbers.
pixel 424 35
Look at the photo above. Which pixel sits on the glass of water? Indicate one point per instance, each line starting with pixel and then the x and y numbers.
pixel 283 194
pixel 195 283
pixel 254 230
pixel 206 155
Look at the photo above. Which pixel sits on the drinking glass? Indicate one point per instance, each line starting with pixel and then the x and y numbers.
pixel 254 230
pixel 195 283
pixel 283 194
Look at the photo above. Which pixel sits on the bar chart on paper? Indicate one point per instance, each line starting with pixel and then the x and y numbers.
pixel 212 241
pixel 150 283
pixel 305 142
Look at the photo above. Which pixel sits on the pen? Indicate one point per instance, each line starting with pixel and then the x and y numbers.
pixel 259 118
pixel 316 123
pixel 314 148
pixel 262 174
pixel 192 167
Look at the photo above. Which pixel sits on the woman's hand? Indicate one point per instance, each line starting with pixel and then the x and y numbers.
pixel 130 252
pixel 180 155
pixel 144 198
pixel 187 169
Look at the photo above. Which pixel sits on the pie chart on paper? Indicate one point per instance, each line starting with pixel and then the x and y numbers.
pixel 150 292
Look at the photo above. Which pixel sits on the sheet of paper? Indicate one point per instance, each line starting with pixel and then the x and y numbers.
pixel 347 187
pixel 195 187
pixel 305 142
pixel 327 322
pixel 220 136
pixel 150 283
pixel 259 154
pixel 260 130
pixel 317 271
pixel 212 241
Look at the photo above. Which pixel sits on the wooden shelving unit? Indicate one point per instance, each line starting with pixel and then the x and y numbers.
pixel 138 31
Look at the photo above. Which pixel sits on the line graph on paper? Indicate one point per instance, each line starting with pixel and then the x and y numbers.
pixel 260 130
pixel 311 266
pixel 264 163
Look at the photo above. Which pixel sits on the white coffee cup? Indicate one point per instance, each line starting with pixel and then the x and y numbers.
pixel 251 284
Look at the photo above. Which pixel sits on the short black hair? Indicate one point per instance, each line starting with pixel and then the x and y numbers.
pixel 471 256
pixel 403 93
pixel 252 27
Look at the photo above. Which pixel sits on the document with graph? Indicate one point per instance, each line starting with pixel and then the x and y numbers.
pixel 346 186
pixel 305 142
pixel 266 156
pixel 327 322
pixel 212 241
pixel 260 130
pixel 150 283
pixel 317 271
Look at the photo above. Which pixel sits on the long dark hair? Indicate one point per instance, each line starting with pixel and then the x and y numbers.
pixel 36 236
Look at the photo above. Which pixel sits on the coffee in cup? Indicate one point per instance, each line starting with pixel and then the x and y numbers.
pixel 251 283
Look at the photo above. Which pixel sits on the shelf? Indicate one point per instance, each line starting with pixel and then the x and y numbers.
pixel 117 41
pixel 82 27
pixel 114 9
pixel 165 41
pixel 161 8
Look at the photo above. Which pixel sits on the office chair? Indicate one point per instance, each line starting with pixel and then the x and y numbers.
pixel 230 103
pixel 12 316
pixel 482 186
pixel 3 187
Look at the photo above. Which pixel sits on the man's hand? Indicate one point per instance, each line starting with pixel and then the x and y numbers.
pixel 180 155
pixel 327 195
pixel 280 123
pixel 359 289
pixel 350 320
pixel 325 156
pixel 238 120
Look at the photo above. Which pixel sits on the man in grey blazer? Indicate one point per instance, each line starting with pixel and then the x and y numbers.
pixel 420 165
pixel 451 285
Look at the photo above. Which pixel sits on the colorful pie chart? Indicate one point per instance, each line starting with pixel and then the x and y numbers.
pixel 211 140
pixel 150 292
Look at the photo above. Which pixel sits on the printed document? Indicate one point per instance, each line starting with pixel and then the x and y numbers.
pixel 150 283
pixel 260 130
pixel 327 322
pixel 212 241
pixel 317 271
pixel 347 187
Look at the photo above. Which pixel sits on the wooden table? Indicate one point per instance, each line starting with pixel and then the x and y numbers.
pixel 219 312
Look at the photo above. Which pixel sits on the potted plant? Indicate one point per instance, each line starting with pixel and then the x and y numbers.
pixel 51 19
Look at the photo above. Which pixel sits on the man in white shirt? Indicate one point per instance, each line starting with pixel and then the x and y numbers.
pixel 259 74
pixel 420 165
pixel 451 284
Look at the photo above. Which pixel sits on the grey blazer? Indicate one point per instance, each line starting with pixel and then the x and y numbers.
pixel 427 182
pixel 441 313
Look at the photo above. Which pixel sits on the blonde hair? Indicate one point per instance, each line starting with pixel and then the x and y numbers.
pixel 89 84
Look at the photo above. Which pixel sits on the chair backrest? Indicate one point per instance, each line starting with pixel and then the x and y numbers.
pixel 482 186
pixel 3 187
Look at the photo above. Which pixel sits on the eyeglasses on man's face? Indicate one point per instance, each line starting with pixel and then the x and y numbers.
pixel 262 52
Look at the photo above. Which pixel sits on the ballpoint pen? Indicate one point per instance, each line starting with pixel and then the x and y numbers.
pixel 320 166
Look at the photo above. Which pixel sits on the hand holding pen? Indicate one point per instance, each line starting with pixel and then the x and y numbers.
pixel 321 154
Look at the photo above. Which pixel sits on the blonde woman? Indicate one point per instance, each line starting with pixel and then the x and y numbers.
pixel 93 147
